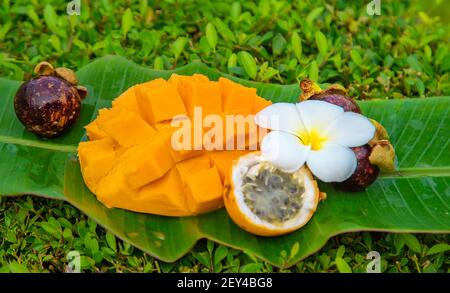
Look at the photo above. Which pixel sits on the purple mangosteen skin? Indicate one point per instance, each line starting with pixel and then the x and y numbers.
pixel 365 173
pixel 47 105
pixel 338 99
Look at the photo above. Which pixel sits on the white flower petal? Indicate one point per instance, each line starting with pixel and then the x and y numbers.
pixel 351 130
pixel 332 163
pixel 280 116
pixel 318 115
pixel 285 151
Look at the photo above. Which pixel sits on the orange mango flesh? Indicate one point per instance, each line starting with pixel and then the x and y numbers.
pixel 206 95
pixel 236 96
pixel 160 103
pixel 93 131
pixel 141 167
pixel 128 100
pixel 180 149
pixel 133 161
pixel 124 127
pixel 223 160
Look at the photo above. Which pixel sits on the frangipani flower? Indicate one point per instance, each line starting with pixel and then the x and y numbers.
pixel 317 133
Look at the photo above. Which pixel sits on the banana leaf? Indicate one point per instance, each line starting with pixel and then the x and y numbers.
pixel 414 199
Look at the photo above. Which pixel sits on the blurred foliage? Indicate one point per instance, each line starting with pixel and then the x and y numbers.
pixel 404 52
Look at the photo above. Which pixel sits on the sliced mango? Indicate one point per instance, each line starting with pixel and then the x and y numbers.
pixel 136 159
pixel 176 79
pixel 165 194
pixel 204 190
pixel 239 131
pixel 260 103
pixel 192 165
pixel 114 191
pixel 236 96
pixel 184 141
pixel 200 77
pixel 147 162
pixel 143 88
pixel 97 158
pixel 223 160
pixel 127 100
pixel 125 127
pixel 205 95
pixel 160 104
pixel 94 132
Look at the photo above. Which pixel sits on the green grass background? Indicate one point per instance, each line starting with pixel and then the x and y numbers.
pixel 404 52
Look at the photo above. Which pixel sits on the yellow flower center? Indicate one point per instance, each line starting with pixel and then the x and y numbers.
pixel 314 139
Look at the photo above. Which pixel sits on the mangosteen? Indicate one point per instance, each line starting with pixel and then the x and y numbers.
pixel 378 155
pixel 335 94
pixel 47 105
pixel 365 174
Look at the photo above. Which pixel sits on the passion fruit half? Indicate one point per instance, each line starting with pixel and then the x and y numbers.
pixel 265 201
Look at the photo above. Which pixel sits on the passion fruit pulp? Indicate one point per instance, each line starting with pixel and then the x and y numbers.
pixel 265 201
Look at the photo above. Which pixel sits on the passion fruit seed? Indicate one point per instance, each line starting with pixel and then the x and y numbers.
pixel 365 174
pixel 272 195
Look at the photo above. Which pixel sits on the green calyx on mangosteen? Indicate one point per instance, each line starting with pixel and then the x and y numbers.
pixel 47 105
pixel 378 155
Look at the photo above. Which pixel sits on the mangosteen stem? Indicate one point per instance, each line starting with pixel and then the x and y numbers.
pixel 67 74
pixel 44 68
pixel 309 88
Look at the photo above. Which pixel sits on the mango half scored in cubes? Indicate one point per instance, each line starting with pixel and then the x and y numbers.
pixel 129 161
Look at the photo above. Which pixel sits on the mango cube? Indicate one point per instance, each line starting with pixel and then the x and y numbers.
pixel 204 190
pixel 147 162
pixel 125 127
pixel 160 104
pixel 236 96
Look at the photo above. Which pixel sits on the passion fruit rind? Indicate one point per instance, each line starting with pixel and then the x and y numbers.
pixel 266 201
